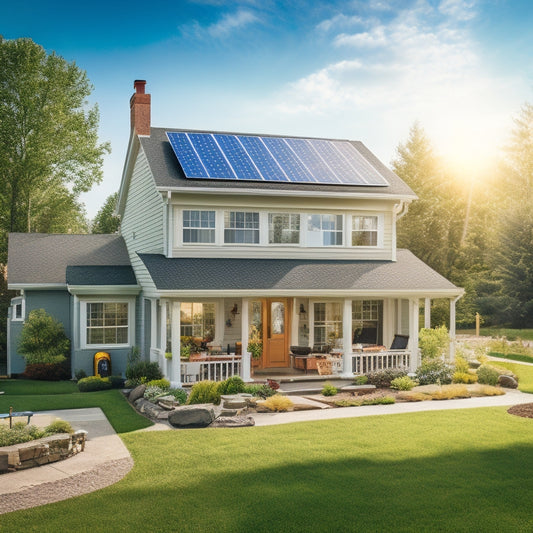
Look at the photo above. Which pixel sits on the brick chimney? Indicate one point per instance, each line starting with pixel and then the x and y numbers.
pixel 140 109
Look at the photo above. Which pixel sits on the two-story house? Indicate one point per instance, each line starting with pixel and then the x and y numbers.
pixel 231 238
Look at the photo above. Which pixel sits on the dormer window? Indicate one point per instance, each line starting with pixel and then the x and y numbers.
pixel 241 227
pixel 198 226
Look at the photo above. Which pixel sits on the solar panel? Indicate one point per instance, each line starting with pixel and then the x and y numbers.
pixel 275 159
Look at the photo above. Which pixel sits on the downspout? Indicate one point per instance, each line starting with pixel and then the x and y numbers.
pixel 399 210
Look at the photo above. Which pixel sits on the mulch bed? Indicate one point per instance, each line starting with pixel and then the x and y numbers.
pixel 524 410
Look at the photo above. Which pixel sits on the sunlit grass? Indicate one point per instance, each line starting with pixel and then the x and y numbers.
pixel 524 373
pixel 463 470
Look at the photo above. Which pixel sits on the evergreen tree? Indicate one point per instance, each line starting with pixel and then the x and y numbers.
pixel 106 221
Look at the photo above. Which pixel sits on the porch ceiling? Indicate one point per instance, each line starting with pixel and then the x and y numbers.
pixel 406 275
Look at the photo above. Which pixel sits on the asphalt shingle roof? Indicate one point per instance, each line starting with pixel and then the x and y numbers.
pixel 408 273
pixel 101 275
pixel 36 258
pixel 168 173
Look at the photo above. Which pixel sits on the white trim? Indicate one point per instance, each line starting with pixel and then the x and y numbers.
pixel 96 290
pixel 18 300
pixel 83 323
pixel 36 286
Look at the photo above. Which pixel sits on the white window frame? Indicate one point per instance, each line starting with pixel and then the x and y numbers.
pixel 327 324
pixel 245 211
pixel 15 302
pixel 342 231
pixel 182 229
pixel 83 323
pixel 182 325
pixel 289 214
pixel 379 230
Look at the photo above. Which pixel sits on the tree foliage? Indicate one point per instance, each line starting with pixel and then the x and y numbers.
pixel 48 134
pixel 43 339
pixel 106 221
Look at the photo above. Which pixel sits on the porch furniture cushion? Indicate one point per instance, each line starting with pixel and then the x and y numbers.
pixel 400 342
pixel 300 350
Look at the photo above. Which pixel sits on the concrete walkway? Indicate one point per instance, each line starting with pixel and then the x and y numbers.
pixel 103 446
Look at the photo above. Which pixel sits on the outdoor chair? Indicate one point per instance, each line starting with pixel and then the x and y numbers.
pixel 400 342
pixel 191 372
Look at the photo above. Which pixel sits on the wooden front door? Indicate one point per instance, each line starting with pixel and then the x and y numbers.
pixel 276 333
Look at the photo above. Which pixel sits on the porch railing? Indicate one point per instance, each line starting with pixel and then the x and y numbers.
pixel 364 362
pixel 214 370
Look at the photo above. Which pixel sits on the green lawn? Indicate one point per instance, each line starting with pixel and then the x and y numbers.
pixel 27 395
pixel 465 470
pixel 513 356
pixel 511 334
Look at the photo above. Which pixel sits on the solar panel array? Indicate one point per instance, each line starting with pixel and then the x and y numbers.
pixel 217 156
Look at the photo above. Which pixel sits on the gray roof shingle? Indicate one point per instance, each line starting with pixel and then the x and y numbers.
pixel 167 171
pixel 101 275
pixel 36 258
pixel 408 273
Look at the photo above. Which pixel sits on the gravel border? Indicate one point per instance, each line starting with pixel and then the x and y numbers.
pixel 97 478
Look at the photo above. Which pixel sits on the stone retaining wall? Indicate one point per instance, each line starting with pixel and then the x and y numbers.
pixel 41 451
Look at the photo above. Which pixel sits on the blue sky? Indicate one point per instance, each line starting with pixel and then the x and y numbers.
pixel 362 70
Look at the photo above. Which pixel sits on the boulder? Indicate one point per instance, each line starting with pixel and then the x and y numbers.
pixel 507 382
pixel 191 416
pixel 233 422
pixel 136 393
pixel 167 402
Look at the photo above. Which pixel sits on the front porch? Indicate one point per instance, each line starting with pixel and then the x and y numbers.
pixel 292 336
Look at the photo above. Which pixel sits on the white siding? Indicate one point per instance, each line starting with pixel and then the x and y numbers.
pixel 143 222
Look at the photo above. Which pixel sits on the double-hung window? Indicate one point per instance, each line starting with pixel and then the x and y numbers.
pixel 107 323
pixel 283 228
pixel 324 230
pixel 198 226
pixel 367 321
pixel 364 231
pixel 327 323
pixel 241 227
pixel 197 320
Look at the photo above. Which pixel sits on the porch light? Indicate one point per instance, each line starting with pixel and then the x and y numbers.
pixel 234 311
pixel 302 310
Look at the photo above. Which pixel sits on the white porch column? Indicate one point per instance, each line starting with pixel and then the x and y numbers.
pixel 347 338
pixel 311 315
pixel 413 333
pixel 153 330
pixel 175 367
pixel 452 328
pixel 163 334
pixel 245 358
pixel 295 323
pixel 427 313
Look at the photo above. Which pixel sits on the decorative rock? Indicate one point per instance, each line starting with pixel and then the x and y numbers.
pixel 234 403
pixel 136 393
pixel 233 422
pixel 357 390
pixel 191 416
pixel 508 382
pixel 473 363
pixel 4 463
pixel 167 402
pixel 230 412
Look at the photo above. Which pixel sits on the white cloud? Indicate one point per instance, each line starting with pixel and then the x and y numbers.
pixel 375 37
pixel 458 9
pixel 223 28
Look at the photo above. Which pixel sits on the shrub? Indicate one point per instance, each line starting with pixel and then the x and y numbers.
pixel 278 403
pixel 433 342
pixel 204 392
pixel 58 426
pixel 143 372
pixel 43 339
pixel 117 382
pixel 402 383
pixel 329 389
pixel 433 371
pixel 46 371
pixel 179 394
pixel 486 390
pixel 464 377
pixel 232 385
pixel 161 383
pixel 354 402
pixel 449 392
pixel 487 375
pixel 360 380
pixel 80 374
pixel 412 396
pixel 152 392
pixel 19 433
pixel 461 364
pixel 93 383
pixel 261 391
pixel 383 378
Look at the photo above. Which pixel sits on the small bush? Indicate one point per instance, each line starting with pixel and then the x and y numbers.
pixel 80 374
pixel 449 392
pixel 464 377
pixel 433 342
pixel 46 372
pixel 204 392
pixel 278 403
pixel 433 371
pixel 383 378
pixel 259 391
pixel 461 364
pixel 19 433
pixel 329 389
pixel 402 383
pixel 232 385
pixel 179 394
pixel 412 396
pixel 117 382
pixel 360 380
pixel 93 383
pixel 487 375
pixel 354 402
pixel 58 426
pixel 486 390
pixel 161 383
pixel 152 392
pixel 143 372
